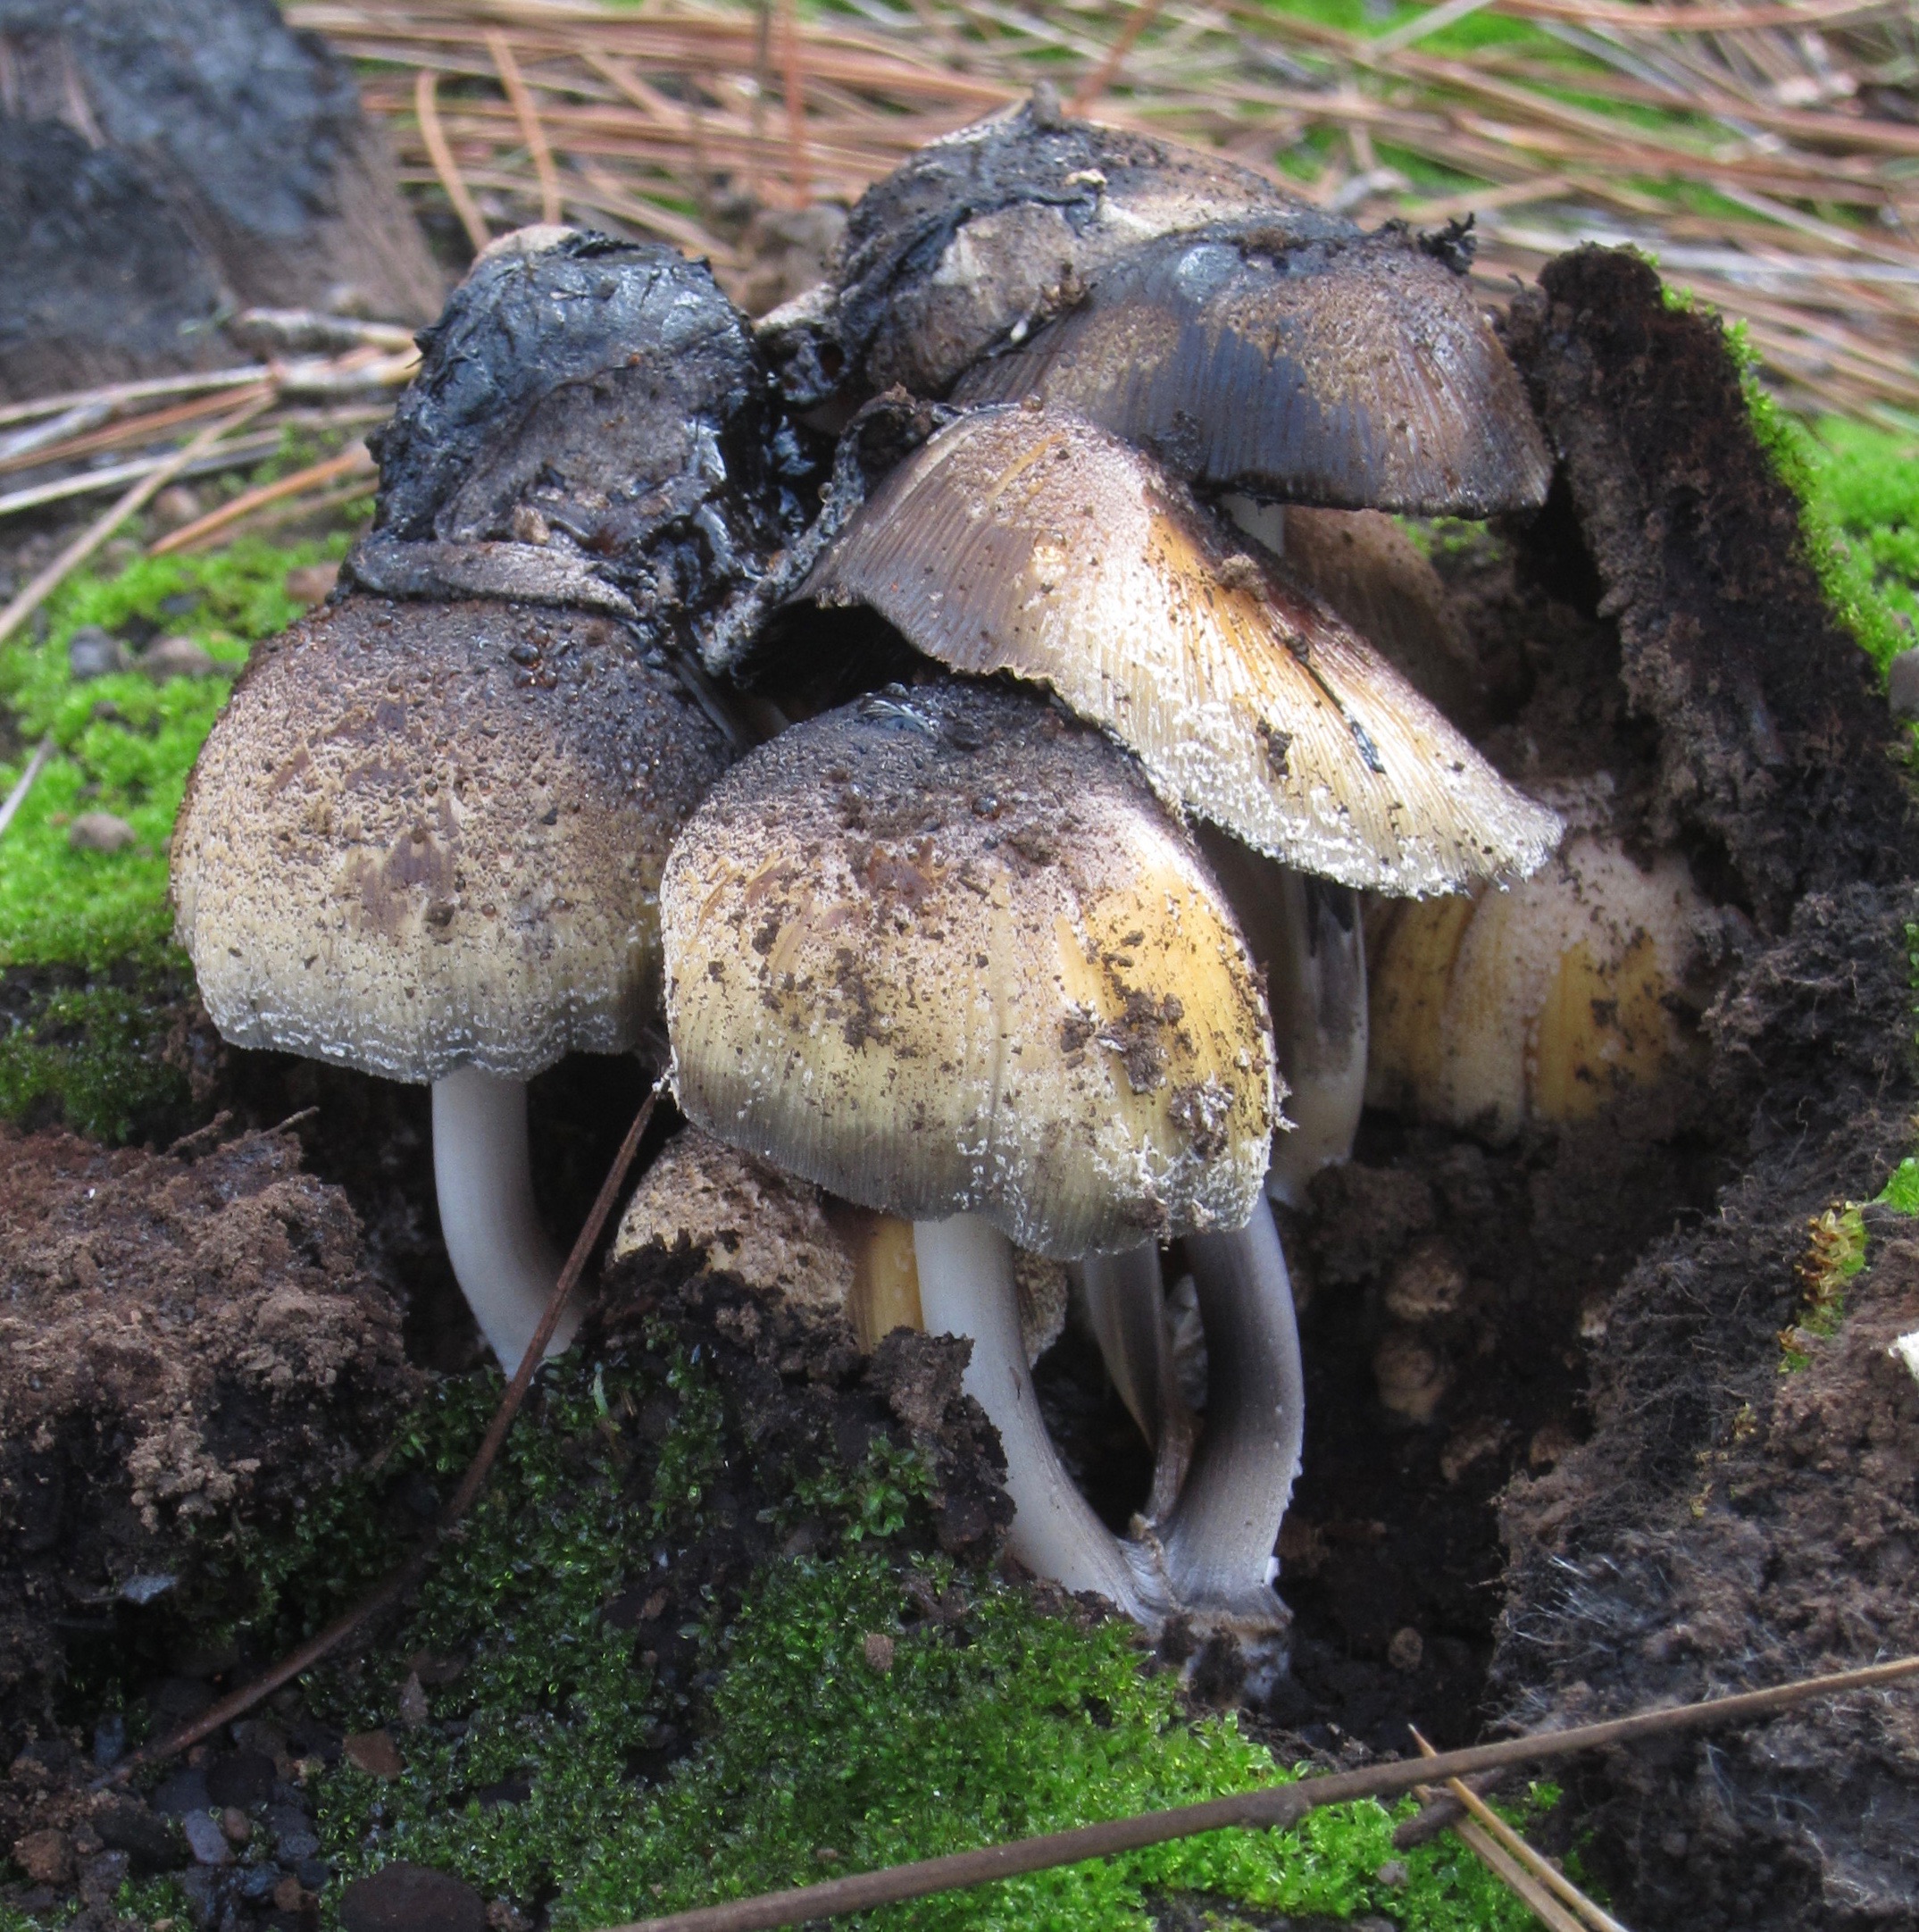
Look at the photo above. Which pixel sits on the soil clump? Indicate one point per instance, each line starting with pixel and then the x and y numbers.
pixel 190 1342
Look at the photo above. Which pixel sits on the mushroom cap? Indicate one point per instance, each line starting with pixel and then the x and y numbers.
pixel 591 423
pixel 993 226
pixel 1351 371
pixel 1030 541
pixel 422 837
pixel 1542 1003
pixel 943 952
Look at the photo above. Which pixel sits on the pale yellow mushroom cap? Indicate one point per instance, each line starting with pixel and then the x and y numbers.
pixel 1030 542
pixel 943 951
pixel 428 836
pixel 1538 1004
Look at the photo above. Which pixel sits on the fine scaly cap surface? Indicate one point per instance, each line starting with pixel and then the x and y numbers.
pixel 422 837
pixel 1351 372
pixel 942 951
pixel 1030 541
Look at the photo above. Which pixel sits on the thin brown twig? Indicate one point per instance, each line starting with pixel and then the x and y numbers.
pixel 42 586
pixel 353 461
pixel 1542 1868
pixel 1512 1875
pixel 528 115
pixel 114 394
pixel 397 1581
pixel 426 108
pixel 793 79
pixel 150 427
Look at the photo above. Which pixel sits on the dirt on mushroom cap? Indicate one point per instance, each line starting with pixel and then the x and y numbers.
pixel 942 951
pixel 591 425
pixel 1001 223
pixel 1030 541
pixel 429 836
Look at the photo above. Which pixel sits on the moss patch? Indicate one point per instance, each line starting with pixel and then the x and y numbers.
pixel 582 1748
pixel 97 1058
pixel 124 745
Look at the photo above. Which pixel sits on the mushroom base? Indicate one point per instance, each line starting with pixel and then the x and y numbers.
pixel 1207 1562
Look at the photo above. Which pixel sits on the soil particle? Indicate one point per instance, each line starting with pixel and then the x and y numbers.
pixel 184 1343
pixel 401 1897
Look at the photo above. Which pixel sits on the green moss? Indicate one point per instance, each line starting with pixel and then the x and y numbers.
pixel 95 1059
pixel 1901 1190
pixel 998 1720
pixel 816 1761
pixel 124 746
pixel 1836 474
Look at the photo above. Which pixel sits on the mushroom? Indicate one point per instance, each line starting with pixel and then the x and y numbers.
pixel 1030 541
pixel 1356 371
pixel 1027 541
pixel 943 953
pixel 592 425
pixel 1251 341
pixel 977 238
pixel 1542 1003
pixel 425 840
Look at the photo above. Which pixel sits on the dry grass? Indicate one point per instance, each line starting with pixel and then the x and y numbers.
pixel 1768 154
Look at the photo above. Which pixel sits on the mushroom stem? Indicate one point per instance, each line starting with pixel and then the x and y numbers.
pixel 966 1288
pixel 1126 1302
pixel 1218 1544
pixel 505 1264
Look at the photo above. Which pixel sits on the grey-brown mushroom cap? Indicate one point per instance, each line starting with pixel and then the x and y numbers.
pixel 942 951
pixel 429 836
pixel 993 227
pixel 1028 541
pixel 1353 373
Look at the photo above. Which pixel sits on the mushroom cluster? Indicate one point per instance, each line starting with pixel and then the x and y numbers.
pixel 1018 947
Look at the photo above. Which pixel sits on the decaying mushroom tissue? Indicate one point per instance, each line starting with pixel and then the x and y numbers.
pixel 1041 956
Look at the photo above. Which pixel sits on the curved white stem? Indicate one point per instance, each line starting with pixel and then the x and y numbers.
pixel 966 1288
pixel 505 1264
pixel 1218 1543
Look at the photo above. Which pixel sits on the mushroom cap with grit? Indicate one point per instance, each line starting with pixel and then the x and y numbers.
pixel 1351 372
pixel 590 424
pixel 942 951
pixel 429 836
pixel 983 233
pixel 1028 541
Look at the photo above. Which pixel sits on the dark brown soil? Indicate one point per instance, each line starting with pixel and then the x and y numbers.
pixel 1726 1525
pixel 744 1260
pixel 189 1343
